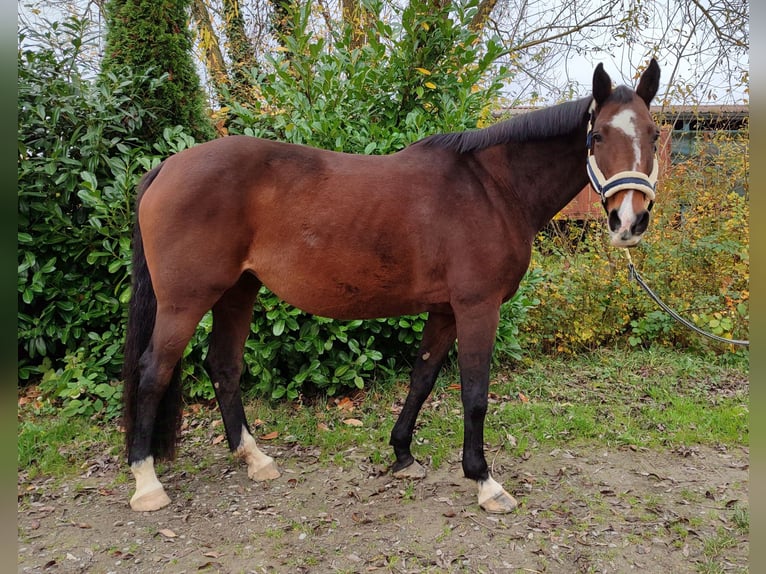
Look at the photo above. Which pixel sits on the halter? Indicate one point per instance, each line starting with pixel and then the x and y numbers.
pixel 606 188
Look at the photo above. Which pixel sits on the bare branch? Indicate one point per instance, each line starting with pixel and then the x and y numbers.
pixel 720 33
pixel 564 34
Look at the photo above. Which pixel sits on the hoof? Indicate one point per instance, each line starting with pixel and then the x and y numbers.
pixel 148 501
pixel 500 503
pixel 267 471
pixel 413 471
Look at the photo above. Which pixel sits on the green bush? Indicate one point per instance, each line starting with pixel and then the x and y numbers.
pixel 153 38
pixel 425 74
pixel 78 166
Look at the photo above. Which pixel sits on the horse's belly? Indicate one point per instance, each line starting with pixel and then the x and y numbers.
pixel 342 288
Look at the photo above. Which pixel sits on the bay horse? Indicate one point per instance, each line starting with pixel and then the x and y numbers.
pixel 444 226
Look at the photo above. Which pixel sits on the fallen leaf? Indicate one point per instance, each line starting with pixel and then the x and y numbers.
pixel 217 439
pixel 270 436
pixel 523 398
pixel 346 404
pixel 322 427
pixel 212 554
pixel 353 422
pixel 167 533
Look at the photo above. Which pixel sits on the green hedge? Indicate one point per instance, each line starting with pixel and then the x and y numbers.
pixel 77 171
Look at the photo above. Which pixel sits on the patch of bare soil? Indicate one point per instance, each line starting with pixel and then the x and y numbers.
pixel 589 509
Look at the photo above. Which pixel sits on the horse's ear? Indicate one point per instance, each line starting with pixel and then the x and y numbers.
pixel 602 85
pixel 649 82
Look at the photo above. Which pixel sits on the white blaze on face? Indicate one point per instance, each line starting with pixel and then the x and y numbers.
pixel 625 121
pixel 626 214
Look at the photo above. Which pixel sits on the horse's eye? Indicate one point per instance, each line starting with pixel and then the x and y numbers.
pixel 597 137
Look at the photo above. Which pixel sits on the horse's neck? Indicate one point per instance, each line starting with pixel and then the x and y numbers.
pixel 545 176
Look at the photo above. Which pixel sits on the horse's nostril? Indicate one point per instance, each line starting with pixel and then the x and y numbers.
pixel 642 222
pixel 614 220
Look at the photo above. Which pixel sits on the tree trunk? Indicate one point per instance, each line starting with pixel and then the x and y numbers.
pixel 281 23
pixel 216 66
pixel 356 16
pixel 482 15
pixel 241 51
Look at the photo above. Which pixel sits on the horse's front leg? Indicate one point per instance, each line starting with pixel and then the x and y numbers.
pixel 438 338
pixel 476 335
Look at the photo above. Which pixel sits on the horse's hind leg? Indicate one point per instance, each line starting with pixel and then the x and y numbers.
pixel 231 325
pixel 438 337
pixel 158 407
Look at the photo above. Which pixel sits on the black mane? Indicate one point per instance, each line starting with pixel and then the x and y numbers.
pixel 549 122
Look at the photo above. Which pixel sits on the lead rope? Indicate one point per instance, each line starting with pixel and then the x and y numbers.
pixel 633 274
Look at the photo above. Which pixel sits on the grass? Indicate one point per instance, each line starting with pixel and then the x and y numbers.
pixel 661 399
pixel 51 446
pixel 637 398
pixel 741 519
pixel 609 399
pixel 714 552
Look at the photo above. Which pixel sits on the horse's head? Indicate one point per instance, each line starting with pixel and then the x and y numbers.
pixel 622 163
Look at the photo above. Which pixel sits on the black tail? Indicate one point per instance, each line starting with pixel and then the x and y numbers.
pixel 141 315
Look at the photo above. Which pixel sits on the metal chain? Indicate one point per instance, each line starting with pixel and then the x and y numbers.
pixel 633 274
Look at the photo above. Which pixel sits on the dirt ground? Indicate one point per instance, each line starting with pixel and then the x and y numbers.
pixel 588 509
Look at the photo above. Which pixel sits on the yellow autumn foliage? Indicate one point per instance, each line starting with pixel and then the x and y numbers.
pixel 695 256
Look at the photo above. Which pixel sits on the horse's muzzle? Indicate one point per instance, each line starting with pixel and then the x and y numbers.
pixel 627 233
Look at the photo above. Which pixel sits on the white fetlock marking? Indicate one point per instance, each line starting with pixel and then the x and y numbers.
pixel 149 495
pixel 146 478
pixel 494 498
pixel 259 465
pixel 488 489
